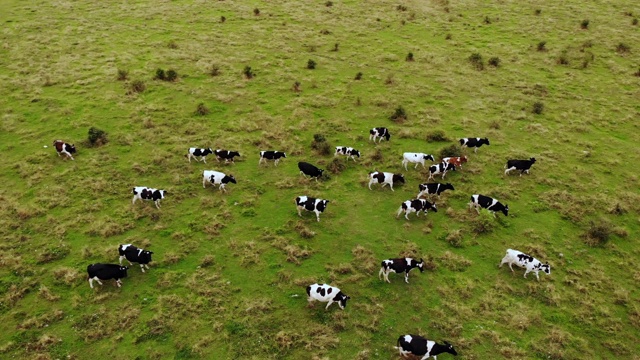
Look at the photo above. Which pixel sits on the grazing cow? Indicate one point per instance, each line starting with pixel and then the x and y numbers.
pixel 522 165
pixel 417 158
pixel 132 253
pixel 226 155
pixel 398 266
pixel 441 168
pixel 271 155
pixel 415 205
pixel 217 178
pixel 525 261
pixel 307 169
pixel 311 204
pixel 381 132
pixel 347 151
pixel 99 272
pixel 433 189
pixel 145 193
pixel 420 348
pixel 491 204
pixel 326 293
pixel 64 148
pixel 473 142
pixel 385 178
pixel 456 160
pixel 202 153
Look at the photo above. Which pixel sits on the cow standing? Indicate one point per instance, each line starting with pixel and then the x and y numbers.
pixel 418 347
pixel 271 155
pixel 133 254
pixel 311 204
pixel 99 272
pixel 64 148
pixel 441 168
pixel 326 293
pixel 417 158
pixel 525 261
pixel 491 204
pixel 415 205
pixel 400 265
pixel 347 151
pixel 433 189
pixel 385 178
pixel 522 165
pixel 202 153
pixel 381 132
pixel 307 169
pixel 217 178
pixel 456 160
pixel 226 155
pixel 473 142
pixel 145 193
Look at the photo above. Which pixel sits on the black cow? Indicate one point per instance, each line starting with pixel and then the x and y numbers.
pixel 491 204
pixel 419 347
pixel 133 254
pixel 347 151
pixel 99 272
pixel 226 155
pixel 522 165
pixel 398 266
pixel 473 142
pixel 311 204
pixel 271 155
pixel 145 193
pixel 415 205
pixel 64 148
pixel 441 168
pixel 381 132
pixel 202 153
pixel 385 178
pixel 307 169
pixel 433 188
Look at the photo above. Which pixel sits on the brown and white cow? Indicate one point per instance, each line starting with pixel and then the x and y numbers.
pixel 64 148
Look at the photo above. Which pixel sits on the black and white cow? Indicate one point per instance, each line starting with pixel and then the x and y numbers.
pixel 385 178
pixel 347 151
pixel 491 204
pixel 417 158
pixel 311 204
pixel 441 168
pixel 226 155
pixel 99 272
pixel 271 155
pixel 420 348
pixel 433 189
pixel 217 178
pixel 326 293
pixel 400 265
pixel 307 169
pixel 415 205
pixel 522 165
pixel 145 193
pixel 473 142
pixel 133 254
pixel 525 261
pixel 64 148
pixel 381 132
pixel 202 153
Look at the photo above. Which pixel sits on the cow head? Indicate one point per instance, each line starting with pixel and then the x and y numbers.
pixel 429 157
pixel 533 160
pixel 398 178
pixel 387 136
pixel 448 186
pixel 464 159
pixel 71 148
pixel 234 153
pixel 231 179
pixel 123 270
pixel 342 300
pixel 355 153
pixel 284 155
pixel 146 255
pixel 433 207
pixel 449 348
pixel 420 265
pixel 506 210
pixel 486 140
pixel 546 268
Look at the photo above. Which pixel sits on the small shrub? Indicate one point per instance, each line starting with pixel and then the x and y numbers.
pixel 256 12
pixel 399 115
pixel 358 101
pixel 637 73
pixel 97 137
pixel 476 60
pixel 172 45
pixel 160 75
pixel 448 37
pixel 449 151
pixel 584 24
pixel 325 32
pixel 634 21
pixel 538 11
pixel 172 75
pixel 223 19
pixel 598 233
pixel 248 73
pixel 328 4
pixel 122 75
pixel 486 20
pixel 409 57
pixel 622 48
pixel 437 136
pixel 483 223
pixel 401 8
pixel 454 238
pixel 538 107
pixel 311 64
pixel 335 47
pixel 296 86
pixel 215 70
pixel 389 80
pixel 336 166
pixel 320 145
pixel 541 46
pixel 494 61
pixel 201 110
pixel 563 59
pixel 358 76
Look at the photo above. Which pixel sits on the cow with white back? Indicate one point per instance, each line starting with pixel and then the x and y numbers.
pixel 381 132
pixel 145 193
pixel 64 149
pixel 480 201
pixel 525 261
pixel 433 189
pixel 415 205
pixel 415 158
pixel 420 348
pixel 456 160
pixel 311 204
pixel 441 168
pixel 385 178
pixel 347 151
pixel 226 155
pixel 522 165
pixel 473 142
pixel 271 155
pixel 99 272
pixel 134 254
pixel 307 169
pixel 196 152
pixel 217 178
pixel 400 265
pixel 328 294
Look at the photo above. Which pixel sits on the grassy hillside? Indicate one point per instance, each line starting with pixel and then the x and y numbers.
pixel 230 269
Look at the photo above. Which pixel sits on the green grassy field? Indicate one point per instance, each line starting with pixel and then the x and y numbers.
pixel 230 269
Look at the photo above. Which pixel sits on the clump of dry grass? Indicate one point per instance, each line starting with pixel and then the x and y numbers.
pixel 454 238
pixel 46 294
pixel 67 276
pixel 43 320
pixel 336 166
pixel 484 223
pixel 437 136
pixel 598 233
pixel 364 259
pixel 52 253
pixel 304 230
pixel 454 262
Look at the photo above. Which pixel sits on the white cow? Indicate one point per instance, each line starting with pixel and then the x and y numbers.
pixel 326 293
pixel 417 158
pixel 217 178
pixel 526 261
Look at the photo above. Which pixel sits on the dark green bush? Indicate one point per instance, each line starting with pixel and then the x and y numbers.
pixel 494 61
pixel 137 86
pixel 634 21
pixel 223 19
pixel 409 57
pixel 598 233
pixel 401 8
pixel 399 115
pixel 538 107
pixel 160 75
pixel 476 60
pixel 256 12
pixel 123 74
pixel 320 145
pixel 622 48
pixel 335 47
pixel 172 75
pixel 449 151
pixel 201 110
pixel 538 11
pixel 541 46
pixel 563 59
pixel 215 70
pixel 296 86
pixel 328 4
pixel 248 73
pixel 584 24
pixel 437 136
pixel 311 64
pixel 358 76
pixel 96 137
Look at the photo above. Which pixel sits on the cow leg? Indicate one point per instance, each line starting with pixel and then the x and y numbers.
pixel 91 282
pixel 141 267
pixel 476 150
pixel 370 182
pixel 329 304
pixel 121 259
pixel 204 182
pixel 276 162
pixel 118 283
pixel 510 264
pixel 415 167
pixel 222 188
pixel 406 277
pixel 157 202
pixel 406 214
pixel 386 277
pixel 507 171
pixel 380 273
pixel 317 215
pixel 146 265
pixel 525 273
pixel 189 157
pixel 204 160
pixel 299 214
pixel 134 199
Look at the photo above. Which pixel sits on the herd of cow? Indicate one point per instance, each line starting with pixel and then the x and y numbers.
pixel 407 345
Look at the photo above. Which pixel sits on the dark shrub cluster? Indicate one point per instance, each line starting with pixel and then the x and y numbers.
pixel 137 86
pixel 256 12
pixel 336 166
pixel 494 61
pixel 169 75
pixel 215 70
pixel 401 8
pixel 409 57
pixel 437 136
pixel 296 86
pixel 328 4
pixel 248 73
pixel 541 46
pixel 311 64
pixel 223 19
pixel 399 115
pixel 123 75
pixel 538 107
pixel 598 233
pixel 320 145
pixel 201 110
pixel 96 137
pixel 622 48
pixel 584 24
pixel 172 45
pixel 476 60
pixel 449 151
pixel 335 47
pixel 358 76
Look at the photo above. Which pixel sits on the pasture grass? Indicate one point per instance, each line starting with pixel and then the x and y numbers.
pixel 230 269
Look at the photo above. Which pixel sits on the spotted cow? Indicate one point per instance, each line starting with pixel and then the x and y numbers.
pixel 480 201
pixel 385 178
pixel 525 261
pixel 415 205
pixel 328 294
pixel 417 347
pixel 64 149
pixel 145 193
pixel 311 204
pixel 347 151
pixel 400 265
pixel 381 132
